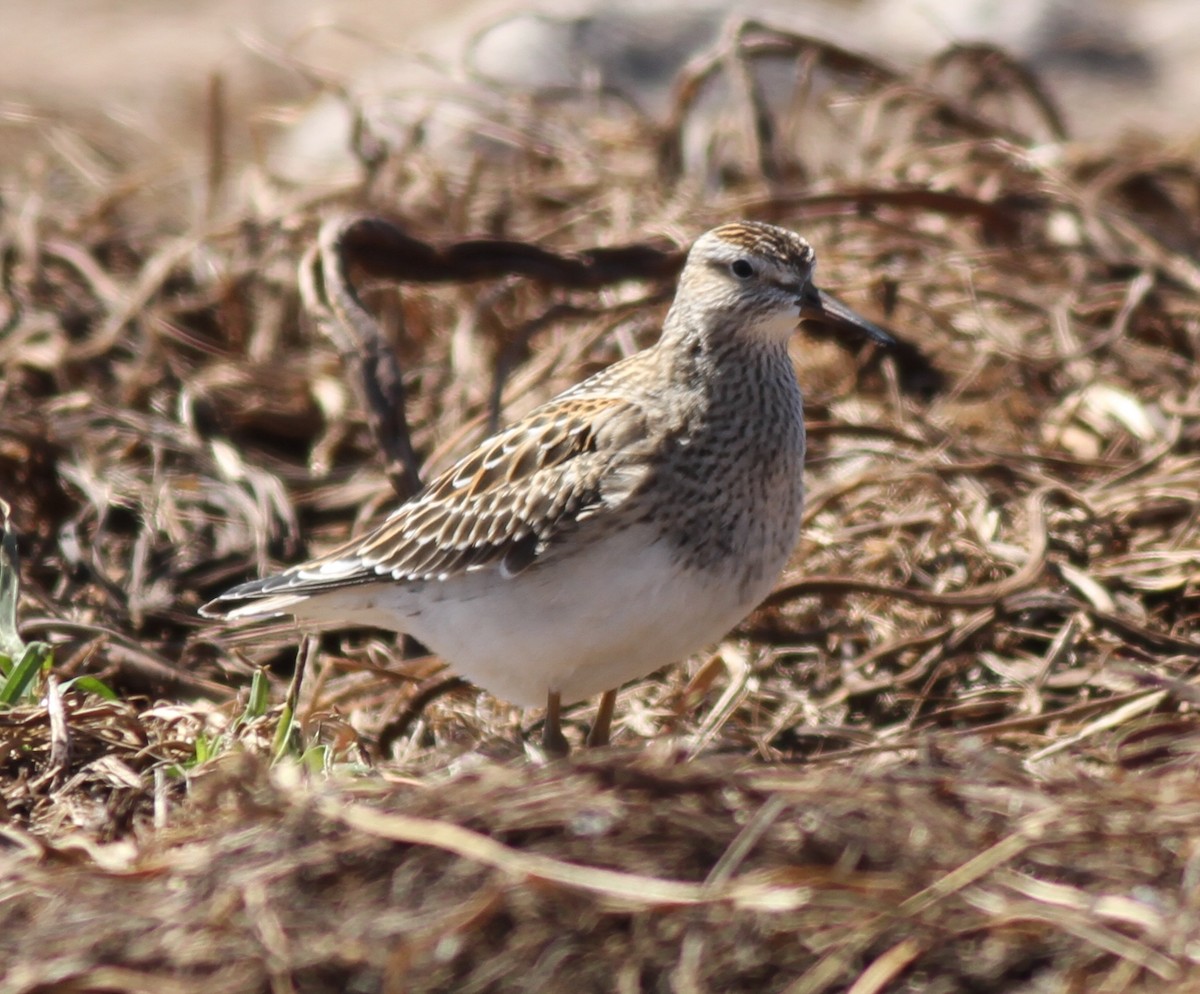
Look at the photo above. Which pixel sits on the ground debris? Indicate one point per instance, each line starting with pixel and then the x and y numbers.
pixel 642 869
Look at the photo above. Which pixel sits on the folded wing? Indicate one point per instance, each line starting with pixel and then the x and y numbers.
pixel 502 506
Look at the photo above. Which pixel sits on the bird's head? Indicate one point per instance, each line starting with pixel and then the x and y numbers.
pixel 756 280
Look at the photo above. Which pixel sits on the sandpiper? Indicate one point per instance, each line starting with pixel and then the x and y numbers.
pixel 625 524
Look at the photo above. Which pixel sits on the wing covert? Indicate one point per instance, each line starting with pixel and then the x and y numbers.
pixel 502 504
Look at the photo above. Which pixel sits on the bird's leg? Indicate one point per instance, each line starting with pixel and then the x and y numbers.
pixel 553 741
pixel 598 736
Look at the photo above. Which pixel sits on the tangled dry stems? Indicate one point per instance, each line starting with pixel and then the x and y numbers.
pixel 955 750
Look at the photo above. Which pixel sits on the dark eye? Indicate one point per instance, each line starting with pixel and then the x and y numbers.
pixel 741 269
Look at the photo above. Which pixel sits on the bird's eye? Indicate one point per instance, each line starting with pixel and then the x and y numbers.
pixel 741 269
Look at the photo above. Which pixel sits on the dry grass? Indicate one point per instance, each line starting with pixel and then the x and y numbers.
pixel 955 750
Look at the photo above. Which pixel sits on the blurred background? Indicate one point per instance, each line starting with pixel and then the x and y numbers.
pixel 1116 66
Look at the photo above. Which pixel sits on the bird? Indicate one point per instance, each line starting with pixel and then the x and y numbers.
pixel 625 524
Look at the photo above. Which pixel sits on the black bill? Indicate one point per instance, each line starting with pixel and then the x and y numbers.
pixel 817 305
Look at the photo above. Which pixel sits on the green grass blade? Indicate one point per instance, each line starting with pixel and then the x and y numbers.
pixel 283 734
pixel 317 759
pixel 256 705
pixel 11 644
pixel 90 685
pixel 33 661
pixel 202 750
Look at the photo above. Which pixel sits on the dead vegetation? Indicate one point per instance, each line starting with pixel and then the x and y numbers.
pixel 955 749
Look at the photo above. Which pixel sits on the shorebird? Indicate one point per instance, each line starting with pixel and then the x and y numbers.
pixel 626 524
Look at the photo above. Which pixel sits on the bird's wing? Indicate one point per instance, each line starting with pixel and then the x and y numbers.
pixel 501 505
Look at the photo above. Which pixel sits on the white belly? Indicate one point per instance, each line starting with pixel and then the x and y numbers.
pixel 616 610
